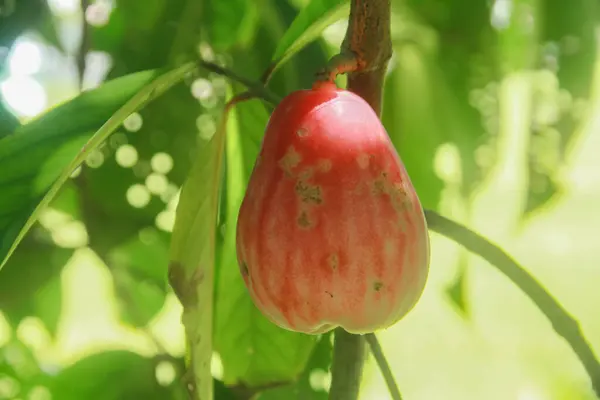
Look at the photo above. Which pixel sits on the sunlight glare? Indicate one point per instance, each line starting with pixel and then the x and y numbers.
pixel 157 183
pixel 501 14
pixel 166 327
pixel 33 333
pixel 25 57
pixel 165 373
pixel 216 366
pixel 39 393
pixel 5 330
pixel 162 163
pixel 138 196
pixel 24 95
pixel 64 7
pixel 126 156
pixel 165 220
pixel 9 387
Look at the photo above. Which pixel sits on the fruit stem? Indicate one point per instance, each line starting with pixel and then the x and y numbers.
pixel 347 365
pixel 377 352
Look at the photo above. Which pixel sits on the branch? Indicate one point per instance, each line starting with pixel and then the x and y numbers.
pixel 347 365
pixel 368 39
pixel 563 323
pixel 388 376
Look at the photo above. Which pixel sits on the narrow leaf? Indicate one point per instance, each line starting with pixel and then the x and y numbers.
pixel 308 25
pixel 191 270
pixel 40 156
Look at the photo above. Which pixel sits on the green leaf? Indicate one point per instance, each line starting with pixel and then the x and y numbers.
pixel 312 384
pixel 408 121
pixel 308 26
pixel 138 268
pixel 114 375
pixel 150 34
pixel 191 270
pixel 30 283
pixel 40 156
pixel 232 22
pixel 8 122
pixel 271 354
pixel 457 290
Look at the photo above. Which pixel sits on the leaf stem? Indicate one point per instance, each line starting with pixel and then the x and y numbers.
pixel 347 365
pixel 377 352
pixel 563 323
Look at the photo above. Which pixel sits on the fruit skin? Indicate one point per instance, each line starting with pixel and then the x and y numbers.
pixel 331 232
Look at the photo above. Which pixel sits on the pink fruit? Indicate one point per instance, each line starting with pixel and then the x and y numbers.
pixel 331 232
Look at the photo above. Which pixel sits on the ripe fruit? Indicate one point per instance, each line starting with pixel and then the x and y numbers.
pixel 331 232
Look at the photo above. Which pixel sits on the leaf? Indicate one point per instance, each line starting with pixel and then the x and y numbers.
pixel 457 291
pixel 310 22
pixel 570 29
pixel 113 375
pixel 271 355
pixel 30 283
pixel 8 122
pixel 312 384
pixel 191 269
pixel 408 121
pixel 150 34
pixel 232 22
pixel 138 268
pixel 40 157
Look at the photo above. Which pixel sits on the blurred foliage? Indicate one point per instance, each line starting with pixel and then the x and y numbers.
pixel 443 103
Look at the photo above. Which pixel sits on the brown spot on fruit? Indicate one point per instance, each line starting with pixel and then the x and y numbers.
pixel 324 165
pixel 333 261
pixel 363 161
pixel 395 190
pixel 308 193
pixel 289 161
pixel 329 293
pixel 302 132
pixel 378 187
pixel 399 197
pixel 307 173
pixel 377 286
pixel 303 220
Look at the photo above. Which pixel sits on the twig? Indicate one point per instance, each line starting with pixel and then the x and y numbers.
pixel 563 323
pixel 84 45
pixel 347 365
pixel 257 89
pixel 383 366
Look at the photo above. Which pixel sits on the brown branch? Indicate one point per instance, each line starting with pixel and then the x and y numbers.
pixel 368 38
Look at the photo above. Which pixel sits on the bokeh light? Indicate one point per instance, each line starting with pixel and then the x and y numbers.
pixel 24 95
